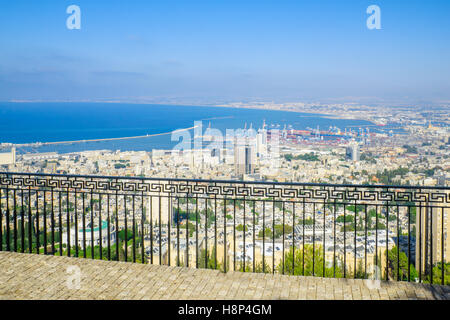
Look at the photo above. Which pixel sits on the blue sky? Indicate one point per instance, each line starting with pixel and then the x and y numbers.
pixel 230 50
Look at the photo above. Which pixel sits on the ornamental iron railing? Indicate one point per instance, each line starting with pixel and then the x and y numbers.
pixel 327 230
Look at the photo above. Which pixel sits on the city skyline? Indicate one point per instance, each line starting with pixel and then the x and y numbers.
pixel 225 150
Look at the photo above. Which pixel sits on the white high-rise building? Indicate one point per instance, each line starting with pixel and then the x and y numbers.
pixel 352 152
pixel 8 157
pixel 261 143
pixel 244 158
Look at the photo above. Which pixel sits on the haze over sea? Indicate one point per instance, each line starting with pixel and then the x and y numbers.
pixel 50 122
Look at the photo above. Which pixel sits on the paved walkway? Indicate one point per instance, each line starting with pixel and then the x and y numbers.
pixel 31 276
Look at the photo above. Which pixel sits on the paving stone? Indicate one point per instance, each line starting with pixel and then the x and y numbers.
pixel 32 276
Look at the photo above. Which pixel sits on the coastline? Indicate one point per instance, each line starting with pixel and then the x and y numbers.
pixel 158 119
pixel 327 115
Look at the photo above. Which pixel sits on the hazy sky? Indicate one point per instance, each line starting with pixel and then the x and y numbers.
pixel 225 49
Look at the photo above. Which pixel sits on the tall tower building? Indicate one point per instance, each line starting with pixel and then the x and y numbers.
pixel 432 236
pixel 260 145
pixel 352 152
pixel 8 157
pixel 249 159
pixel 244 158
pixel 13 155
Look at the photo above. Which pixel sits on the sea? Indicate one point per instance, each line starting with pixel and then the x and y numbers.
pixel 24 123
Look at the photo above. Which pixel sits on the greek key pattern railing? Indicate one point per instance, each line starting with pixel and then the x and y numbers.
pixel 359 231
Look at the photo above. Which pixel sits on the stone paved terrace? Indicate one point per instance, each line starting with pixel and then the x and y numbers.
pixel 31 276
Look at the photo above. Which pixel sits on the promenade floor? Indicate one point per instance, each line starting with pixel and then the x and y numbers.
pixel 31 276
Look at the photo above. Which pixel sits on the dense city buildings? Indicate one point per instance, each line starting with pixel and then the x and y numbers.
pixel 7 158
pixel 243 233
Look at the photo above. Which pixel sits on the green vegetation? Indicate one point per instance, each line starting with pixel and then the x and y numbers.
pixel 25 235
pixel 190 200
pixel 258 267
pixel 293 263
pixel 207 260
pixel 392 217
pixel 360 273
pixel 360 224
pixel 73 249
pixel 267 232
pixel 387 176
pixel 307 157
pixel 239 203
pixel 190 226
pixel 210 217
pixel 402 266
pixel 367 156
pixel 180 214
pixel 348 218
pixel 359 208
pixel 306 222
pixel 279 205
pixel 240 227
pixel 372 214
pixel 278 231
pixel 122 234
pixel 113 255
pixel 431 172
pixel 410 149
pixel 437 274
